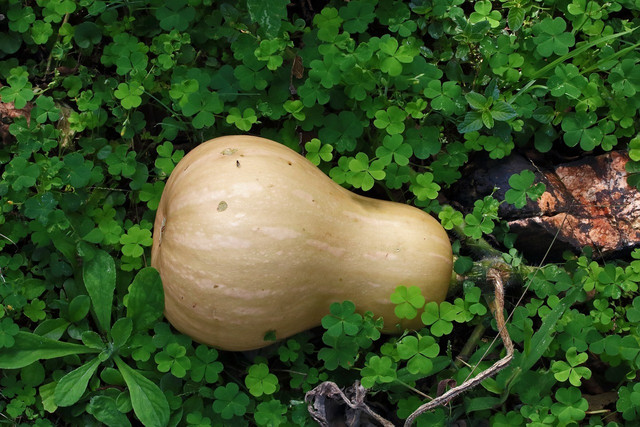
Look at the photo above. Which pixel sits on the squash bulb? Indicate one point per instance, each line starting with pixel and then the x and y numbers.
pixel 250 237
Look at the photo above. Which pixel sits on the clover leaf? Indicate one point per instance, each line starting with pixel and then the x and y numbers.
pixel 364 174
pixel 343 319
pixel 393 148
pixel 418 351
pixel 205 365
pixel 408 301
pixel 316 151
pixel 570 405
pixel 440 317
pixel 129 94
pixel 378 370
pixel 570 370
pixel 134 241
pixel 260 381
pixel 357 16
pixel 328 22
pixel 629 401
pixel 173 358
pixel 8 330
pixel 391 120
pixel 270 413
pixel 551 38
pixel 341 351
pixel 175 14
pixel 230 401
pixel 522 187
pixel 243 120
pixel 19 90
pixel 424 188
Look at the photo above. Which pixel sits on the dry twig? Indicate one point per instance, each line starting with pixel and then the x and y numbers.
pixel 498 311
pixel 316 398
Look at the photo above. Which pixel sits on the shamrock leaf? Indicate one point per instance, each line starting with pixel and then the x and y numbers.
pixel 243 120
pixel 440 317
pixel 316 151
pixel 570 406
pixel 418 351
pixel 393 148
pixel 363 174
pixel 173 359
pixel 134 241
pixel 570 370
pixel 521 187
pixel 408 301
pixel 8 330
pixel 259 381
pixel 230 401
pixel 391 120
pixel 343 319
pixel 551 38
pixel 378 370
pixel 129 94
pixel 424 188
pixel 205 365
pixel 328 22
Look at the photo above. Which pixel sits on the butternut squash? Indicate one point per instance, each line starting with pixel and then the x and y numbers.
pixel 251 237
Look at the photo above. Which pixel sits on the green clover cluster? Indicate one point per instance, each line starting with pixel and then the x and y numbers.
pixel 101 100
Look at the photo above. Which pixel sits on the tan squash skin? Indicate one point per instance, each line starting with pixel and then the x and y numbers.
pixel 251 237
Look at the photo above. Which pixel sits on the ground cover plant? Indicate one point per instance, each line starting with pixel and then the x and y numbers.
pixel 390 98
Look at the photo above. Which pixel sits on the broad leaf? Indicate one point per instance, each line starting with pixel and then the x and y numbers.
pixel 72 386
pixel 145 301
pixel 31 347
pixel 148 401
pixel 99 274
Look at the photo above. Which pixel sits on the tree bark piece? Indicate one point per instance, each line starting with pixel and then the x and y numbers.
pixel 587 202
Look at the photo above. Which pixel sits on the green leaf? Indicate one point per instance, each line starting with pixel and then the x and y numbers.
pixel 99 275
pixel 343 319
pixel 418 351
pixel 515 18
pixel 328 22
pixel 145 300
pixel 105 409
pixel 230 401
pixel 260 381
pixel 121 331
pixel 87 34
pixel 477 101
pixel 269 14
pixel 149 402
pixel 72 386
pixel 543 337
pixel 30 347
pixel 378 370
pixel 79 308
pixel 408 301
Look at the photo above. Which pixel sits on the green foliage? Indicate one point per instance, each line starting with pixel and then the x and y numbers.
pixel 522 186
pixel 388 97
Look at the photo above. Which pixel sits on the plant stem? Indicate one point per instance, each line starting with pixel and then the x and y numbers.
pixel 470 345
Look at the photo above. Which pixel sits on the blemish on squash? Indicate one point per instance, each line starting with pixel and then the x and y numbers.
pixel 228 151
pixel 290 164
pixel 222 206
pixel 163 227
pixel 237 163
pixel 194 306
